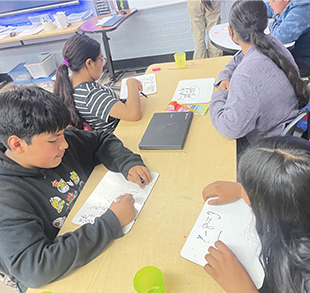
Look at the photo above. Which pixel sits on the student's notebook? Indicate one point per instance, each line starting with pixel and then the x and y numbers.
pixel 166 131
pixel 148 83
pixel 234 225
pixel 109 188
pixel 194 91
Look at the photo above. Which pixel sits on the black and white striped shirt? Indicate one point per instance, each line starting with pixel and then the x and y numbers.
pixel 94 102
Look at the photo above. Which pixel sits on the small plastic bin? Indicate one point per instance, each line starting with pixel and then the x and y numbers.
pixel 46 82
pixel 20 73
pixel 42 65
pixel 36 19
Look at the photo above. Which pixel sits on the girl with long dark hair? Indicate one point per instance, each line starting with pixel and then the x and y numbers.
pixel 87 100
pixel 260 90
pixel 274 179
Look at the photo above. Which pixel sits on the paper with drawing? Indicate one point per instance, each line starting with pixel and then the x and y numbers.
pixel 109 188
pixel 194 91
pixel 234 225
pixel 148 84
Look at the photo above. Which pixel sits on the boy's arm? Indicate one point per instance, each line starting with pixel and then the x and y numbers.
pixel 112 153
pixel 35 260
pixel 94 147
pixel 290 28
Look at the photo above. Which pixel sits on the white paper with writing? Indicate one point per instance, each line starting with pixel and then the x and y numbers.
pixel 148 84
pixel 109 188
pixel 194 91
pixel 234 225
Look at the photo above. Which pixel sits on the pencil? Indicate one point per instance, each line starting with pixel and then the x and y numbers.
pixel 143 94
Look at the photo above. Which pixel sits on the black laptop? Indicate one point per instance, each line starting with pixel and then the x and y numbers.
pixel 166 131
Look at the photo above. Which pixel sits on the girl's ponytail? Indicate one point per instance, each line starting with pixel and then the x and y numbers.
pixel 264 46
pixel 63 89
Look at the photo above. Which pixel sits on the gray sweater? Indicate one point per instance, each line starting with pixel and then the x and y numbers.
pixel 260 100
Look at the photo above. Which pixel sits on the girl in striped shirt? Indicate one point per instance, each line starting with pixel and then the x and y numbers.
pixel 87 100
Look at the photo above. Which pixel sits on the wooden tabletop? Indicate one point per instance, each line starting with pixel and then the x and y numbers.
pixel 173 206
pixel 44 34
pixel 91 26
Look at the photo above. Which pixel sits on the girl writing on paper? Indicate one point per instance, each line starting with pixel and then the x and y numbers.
pixel 275 181
pixel 260 90
pixel 87 100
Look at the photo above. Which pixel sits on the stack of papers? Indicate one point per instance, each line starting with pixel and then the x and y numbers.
pixel 33 30
pixel 78 17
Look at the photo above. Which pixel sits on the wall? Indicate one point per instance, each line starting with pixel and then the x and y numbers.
pixel 150 32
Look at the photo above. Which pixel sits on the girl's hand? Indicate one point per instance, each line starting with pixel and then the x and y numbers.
pixel 226 191
pixel 132 82
pixel 224 267
pixel 224 85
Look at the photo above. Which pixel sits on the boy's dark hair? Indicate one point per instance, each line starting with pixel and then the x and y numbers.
pixel 29 111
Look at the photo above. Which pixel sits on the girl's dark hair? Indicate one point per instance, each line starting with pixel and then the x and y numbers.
pixel 207 4
pixel 249 19
pixel 77 49
pixel 29 111
pixel 276 177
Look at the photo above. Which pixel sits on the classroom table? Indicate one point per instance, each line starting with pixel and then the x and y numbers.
pixel 219 37
pixel 90 26
pixel 173 206
pixel 72 28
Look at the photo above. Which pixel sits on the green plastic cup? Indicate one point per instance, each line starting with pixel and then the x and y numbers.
pixel 180 59
pixel 149 280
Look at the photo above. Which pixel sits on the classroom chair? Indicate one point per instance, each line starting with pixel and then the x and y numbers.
pixel 299 127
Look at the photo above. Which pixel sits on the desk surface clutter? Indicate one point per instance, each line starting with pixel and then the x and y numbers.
pixel 41 34
pixel 172 207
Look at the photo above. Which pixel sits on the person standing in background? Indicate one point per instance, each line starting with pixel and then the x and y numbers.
pixel 204 14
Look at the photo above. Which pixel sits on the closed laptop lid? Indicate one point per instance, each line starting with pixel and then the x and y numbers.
pixel 166 131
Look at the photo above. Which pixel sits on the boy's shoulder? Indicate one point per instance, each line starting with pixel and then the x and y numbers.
pixel 297 9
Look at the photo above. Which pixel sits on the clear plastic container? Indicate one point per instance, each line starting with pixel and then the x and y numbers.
pixel 36 19
pixel 20 73
pixel 42 65
pixel 44 82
